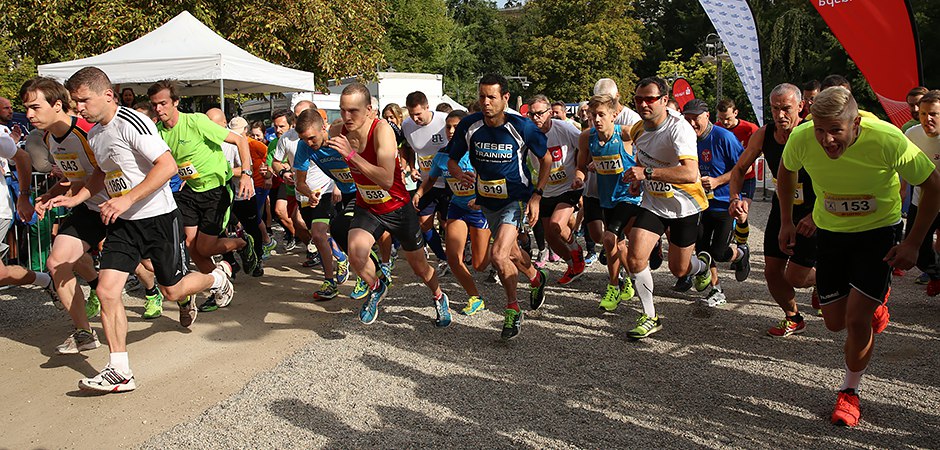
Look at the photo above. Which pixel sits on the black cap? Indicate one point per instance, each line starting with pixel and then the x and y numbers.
pixel 695 106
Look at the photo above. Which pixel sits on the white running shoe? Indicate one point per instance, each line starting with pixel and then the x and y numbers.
pixel 79 340
pixel 224 294
pixel 109 380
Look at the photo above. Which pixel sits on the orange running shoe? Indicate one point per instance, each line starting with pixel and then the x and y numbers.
pixel 880 319
pixel 846 412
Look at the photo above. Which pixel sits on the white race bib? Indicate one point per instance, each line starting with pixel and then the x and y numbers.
pixel 342 175
pixel 493 188
pixel 659 189
pixel 374 195
pixel 187 171
pixel 70 166
pixel 460 188
pixel 424 163
pixel 608 165
pixel 558 176
pixel 850 205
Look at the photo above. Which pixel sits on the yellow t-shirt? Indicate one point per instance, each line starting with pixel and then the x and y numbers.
pixel 859 191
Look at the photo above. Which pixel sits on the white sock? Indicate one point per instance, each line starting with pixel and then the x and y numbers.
pixel 119 361
pixel 852 379
pixel 644 289
pixel 218 279
pixel 697 266
pixel 43 280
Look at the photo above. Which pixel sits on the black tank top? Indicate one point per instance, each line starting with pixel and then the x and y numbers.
pixel 773 153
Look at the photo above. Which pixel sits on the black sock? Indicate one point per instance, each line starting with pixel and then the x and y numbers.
pixel 93 284
pixel 796 318
pixel 153 291
pixel 741 232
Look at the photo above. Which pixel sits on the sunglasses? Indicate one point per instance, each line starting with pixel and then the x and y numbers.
pixel 539 113
pixel 647 99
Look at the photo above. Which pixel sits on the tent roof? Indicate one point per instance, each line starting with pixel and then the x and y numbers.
pixel 185 49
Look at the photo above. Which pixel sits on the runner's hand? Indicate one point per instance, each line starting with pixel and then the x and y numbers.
pixel 315 198
pixel 337 196
pixel 415 199
pixel 62 200
pixel 787 238
pixel 806 226
pixel 473 204
pixel 902 256
pixel 633 174
pixel 738 209
pixel 112 209
pixel 288 178
pixel 577 184
pixel 468 177
pixel 532 211
pixel 635 188
pixel 42 205
pixel 341 145
pixel 24 208
pixel 707 183
pixel 246 189
pixel 591 167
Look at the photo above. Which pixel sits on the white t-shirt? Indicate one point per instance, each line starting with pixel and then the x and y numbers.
pixel 929 145
pixel 317 181
pixel 562 143
pixel 627 117
pixel 7 150
pixel 426 141
pixel 75 158
pixel 125 149
pixel 673 141
pixel 287 146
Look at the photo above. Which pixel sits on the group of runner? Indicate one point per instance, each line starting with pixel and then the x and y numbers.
pixel 630 178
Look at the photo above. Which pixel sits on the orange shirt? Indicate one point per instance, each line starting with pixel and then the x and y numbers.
pixel 259 155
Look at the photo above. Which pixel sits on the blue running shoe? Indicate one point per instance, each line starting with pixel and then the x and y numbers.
pixel 386 270
pixel 442 306
pixel 360 291
pixel 342 272
pixel 591 258
pixel 370 309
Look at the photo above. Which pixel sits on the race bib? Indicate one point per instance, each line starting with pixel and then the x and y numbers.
pixel 460 188
pixel 374 195
pixel 558 176
pixel 187 171
pixel 116 183
pixel 709 194
pixel 342 175
pixel 850 205
pixel 659 189
pixel 493 188
pixel 70 166
pixel 424 163
pixel 608 165
pixel 799 197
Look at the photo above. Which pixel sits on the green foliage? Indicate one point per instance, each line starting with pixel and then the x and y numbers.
pixel 703 78
pixel 418 35
pixel 14 70
pixel 480 45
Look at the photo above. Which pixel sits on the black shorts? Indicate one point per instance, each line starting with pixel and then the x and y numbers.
pixel 401 223
pixel 682 231
pixel 279 193
pixel 437 199
pixel 547 205
pixel 618 218
pixel 714 234
pixel 592 210
pixel 749 188
pixel 322 212
pixel 160 239
pixel 84 225
pixel 208 211
pixel 804 253
pixel 854 260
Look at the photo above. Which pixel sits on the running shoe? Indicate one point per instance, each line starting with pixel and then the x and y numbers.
pixel 591 258
pixel 223 295
pixel 512 323
pixel 50 291
pixel 342 272
pixel 209 305
pixel 656 256
pixel 847 411
pixel 328 291
pixel 92 304
pixel 742 267
pixel 626 289
pixel 552 256
pixel 787 327
pixel 933 288
pixel 132 283
pixel 109 380
pixel 474 305
pixel 880 319
pixel 188 311
pixel 268 248
pixel 236 267
pixel 570 275
pixel 611 298
pixel 922 279
pixel 493 277
pixel 290 244
pixel 78 341
pixel 602 257
pixel 715 298
pixel 442 307
pixel 897 272
pixel 443 269
pixel 704 279
pixel 537 293
pixel 370 309
pixel 645 326
pixel 386 272
pixel 153 308
pixel 313 260
pixel 684 283
pixel 360 291
pixel 247 254
pixel 540 258
pixel 259 270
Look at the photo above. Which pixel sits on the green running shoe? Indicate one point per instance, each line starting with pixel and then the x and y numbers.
pixel 328 291
pixel 704 279
pixel 611 298
pixel 474 305
pixel 537 293
pixel 342 271
pixel 154 306
pixel 512 322
pixel 360 291
pixel 645 326
pixel 627 292
pixel 92 305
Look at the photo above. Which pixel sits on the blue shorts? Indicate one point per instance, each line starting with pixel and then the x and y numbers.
pixel 473 218
pixel 510 214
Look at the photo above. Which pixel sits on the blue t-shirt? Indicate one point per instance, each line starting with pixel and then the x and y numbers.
pixel 329 161
pixel 498 156
pixel 176 183
pixel 462 192
pixel 718 152
pixel 610 161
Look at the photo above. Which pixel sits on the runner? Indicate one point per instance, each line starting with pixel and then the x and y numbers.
pixel 673 198
pixel 134 165
pixel 498 144
pixel 926 136
pixel 743 130
pixel 561 199
pixel 248 209
pixel 783 272
pixel 913 102
pixel 205 198
pixel 809 93
pixel 368 145
pixel 855 163
pixel 718 151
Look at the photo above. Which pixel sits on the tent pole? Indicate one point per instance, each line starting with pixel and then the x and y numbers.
pixel 222 95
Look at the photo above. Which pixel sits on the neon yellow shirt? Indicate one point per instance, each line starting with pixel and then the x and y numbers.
pixel 859 191
pixel 195 144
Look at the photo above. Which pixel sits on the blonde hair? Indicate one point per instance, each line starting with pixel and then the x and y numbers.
pixel 835 102
pixel 602 99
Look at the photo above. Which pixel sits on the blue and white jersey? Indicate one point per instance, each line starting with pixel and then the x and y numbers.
pixel 462 192
pixel 610 161
pixel 498 156
pixel 329 161
pixel 718 152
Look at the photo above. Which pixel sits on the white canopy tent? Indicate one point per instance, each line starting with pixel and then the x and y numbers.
pixel 186 50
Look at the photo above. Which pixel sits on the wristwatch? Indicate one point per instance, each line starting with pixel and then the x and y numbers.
pixel 539 191
pixel 247 172
pixel 648 173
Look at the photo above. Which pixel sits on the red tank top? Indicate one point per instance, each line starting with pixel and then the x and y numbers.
pixel 368 194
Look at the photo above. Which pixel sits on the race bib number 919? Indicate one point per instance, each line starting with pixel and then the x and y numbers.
pixel 493 188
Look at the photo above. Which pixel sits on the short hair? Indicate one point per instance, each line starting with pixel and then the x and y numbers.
pixel 126 89
pixel 787 88
pixel 725 104
pixel 835 80
pixel 559 103
pixel 932 96
pixel 285 113
pixel 835 102
pixel 358 88
pixel 51 90
pixel 395 109
pixel 256 124
pixel 811 85
pixel 606 86
pixel 539 98
pixel 919 90
pixel 659 82
pixel 169 85
pixel 308 119
pixel 444 107
pixel 495 78
pixel 458 113
pixel 603 99
pixel 673 103
pixel 415 99
pixel 474 107
pixel 146 108
pixel 90 77
pixel 305 104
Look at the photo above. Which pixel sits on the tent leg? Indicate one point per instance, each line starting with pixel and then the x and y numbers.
pixel 222 95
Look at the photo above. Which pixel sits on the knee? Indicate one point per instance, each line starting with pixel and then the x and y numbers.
pixel 636 264
pixel 553 228
pixel 55 265
pixel 610 241
pixel 835 324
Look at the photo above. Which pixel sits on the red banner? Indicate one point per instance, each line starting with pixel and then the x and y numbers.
pixel 682 92
pixel 879 35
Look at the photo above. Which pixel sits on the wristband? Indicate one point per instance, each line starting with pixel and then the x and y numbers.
pixel 350 157
pixel 282 172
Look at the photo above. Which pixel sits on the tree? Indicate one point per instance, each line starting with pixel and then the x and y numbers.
pixel 468 56
pixel 419 33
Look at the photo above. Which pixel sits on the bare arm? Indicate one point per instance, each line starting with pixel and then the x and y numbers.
pixel 745 162
pixel 382 173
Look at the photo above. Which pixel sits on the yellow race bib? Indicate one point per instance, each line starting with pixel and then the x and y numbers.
pixel 493 188
pixel 116 183
pixel 608 165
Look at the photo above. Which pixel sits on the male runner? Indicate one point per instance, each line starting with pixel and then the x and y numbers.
pixel 926 136
pixel 498 144
pixel 913 102
pixel 855 163
pixel 134 166
pixel 743 130
pixel 370 150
